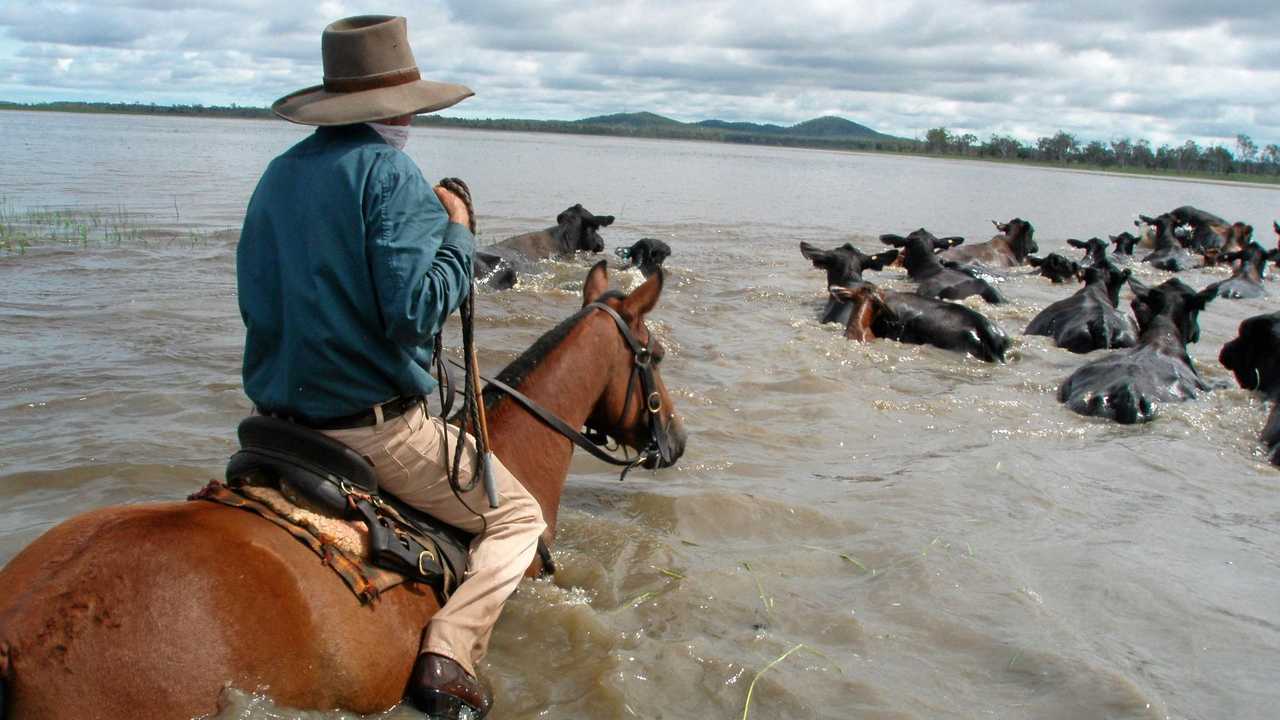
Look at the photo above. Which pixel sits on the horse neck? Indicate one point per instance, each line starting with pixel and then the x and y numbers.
pixel 568 381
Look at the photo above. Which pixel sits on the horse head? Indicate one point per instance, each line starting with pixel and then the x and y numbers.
pixel 868 307
pixel 635 407
pixel 577 229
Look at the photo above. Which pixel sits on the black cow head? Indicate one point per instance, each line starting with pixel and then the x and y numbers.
pixel 1125 242
pixel 844 264
pixel 577 229
pixel 1095 251
pixel 1020 234
pixel 1174 300
pixel 1162 226
pixel 1055 267
pixel 1254 355
pixel 648 254
pixel 1111 278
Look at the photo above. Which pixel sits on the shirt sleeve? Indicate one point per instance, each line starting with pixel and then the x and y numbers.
pixel 420 262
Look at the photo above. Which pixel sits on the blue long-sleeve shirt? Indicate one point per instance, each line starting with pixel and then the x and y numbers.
pixel 347 268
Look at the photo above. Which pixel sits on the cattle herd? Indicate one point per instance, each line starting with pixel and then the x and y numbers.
pixel 1146 365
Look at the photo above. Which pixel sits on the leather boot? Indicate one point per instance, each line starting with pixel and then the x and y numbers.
pixel 440 688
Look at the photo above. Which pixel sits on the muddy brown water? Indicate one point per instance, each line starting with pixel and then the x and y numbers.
pixel 940 536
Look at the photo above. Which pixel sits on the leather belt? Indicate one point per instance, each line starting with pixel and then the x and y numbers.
pixel 393 408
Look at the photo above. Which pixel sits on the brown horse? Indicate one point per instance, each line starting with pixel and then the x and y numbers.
pixel 148 611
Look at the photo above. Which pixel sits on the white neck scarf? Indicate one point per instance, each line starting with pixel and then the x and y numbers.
pixel 397 136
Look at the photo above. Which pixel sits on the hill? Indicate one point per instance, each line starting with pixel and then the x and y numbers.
pixel 827 129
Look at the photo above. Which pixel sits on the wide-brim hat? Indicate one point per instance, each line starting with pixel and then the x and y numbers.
pixel 369 75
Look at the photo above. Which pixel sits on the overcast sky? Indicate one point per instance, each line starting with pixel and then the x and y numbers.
pixel 1167 71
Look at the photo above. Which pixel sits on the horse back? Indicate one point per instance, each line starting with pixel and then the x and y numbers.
pixel 158 606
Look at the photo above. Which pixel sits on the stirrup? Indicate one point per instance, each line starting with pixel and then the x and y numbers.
pixel 440 705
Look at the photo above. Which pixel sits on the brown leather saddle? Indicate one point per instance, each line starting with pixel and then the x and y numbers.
pixel 331 478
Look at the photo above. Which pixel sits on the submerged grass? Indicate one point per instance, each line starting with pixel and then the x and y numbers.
pixel 22 229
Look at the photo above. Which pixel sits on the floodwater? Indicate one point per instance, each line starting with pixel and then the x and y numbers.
pixel 939 535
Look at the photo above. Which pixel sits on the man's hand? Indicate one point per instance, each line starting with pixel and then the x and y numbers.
pixel 454 205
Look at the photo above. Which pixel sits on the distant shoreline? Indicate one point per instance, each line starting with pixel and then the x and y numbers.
pixel 879 145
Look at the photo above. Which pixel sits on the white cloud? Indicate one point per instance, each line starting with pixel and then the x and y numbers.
pixel 1163 69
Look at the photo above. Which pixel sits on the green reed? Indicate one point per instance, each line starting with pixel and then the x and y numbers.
pixel 22 229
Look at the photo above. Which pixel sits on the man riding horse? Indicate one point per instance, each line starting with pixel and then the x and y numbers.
pixel 349 264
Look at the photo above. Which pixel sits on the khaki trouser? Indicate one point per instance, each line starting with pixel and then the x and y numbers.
pixel 408 456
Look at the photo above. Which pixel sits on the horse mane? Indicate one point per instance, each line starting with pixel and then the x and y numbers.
pixel 518 370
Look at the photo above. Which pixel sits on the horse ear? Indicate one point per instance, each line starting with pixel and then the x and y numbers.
pixel 642 301
pixel 597 283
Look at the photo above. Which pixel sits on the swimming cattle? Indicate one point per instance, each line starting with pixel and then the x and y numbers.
pixel 1057 268
pixel 1090 319
pixel 1129 385
pixel 576 230
pixel 933 278
pixel 1124 244
pixel 844 266
pixel 909 318
pixel 647 254
pixel 1169 254
pixel 1254 358
pixel 1008 249
pixel 1247 280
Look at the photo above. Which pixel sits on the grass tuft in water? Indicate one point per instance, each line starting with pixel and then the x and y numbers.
pixel 751 688
pixel 83 228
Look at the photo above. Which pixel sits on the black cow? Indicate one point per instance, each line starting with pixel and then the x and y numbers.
pixel 647 254
pixel 1169 254
pixel 1089 320
pixel 576 230
pixel 844 266
pixel 909 318
pixel 933 278
pixel 1254 358
pixel 1095 251
pixel 1247 280
pixel 1124 244
pixel 1129 385
pixel 1056 267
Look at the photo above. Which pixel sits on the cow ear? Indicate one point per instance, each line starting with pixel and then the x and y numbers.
pixel 812 253
pixel 597 283
pixel 877 262
pixel 604 220
pixel 1276 225
pixel 1035 261
pixel 1077 243
pixel 1205 296
pixel 567 215
pixel 899 241
pixel 947 243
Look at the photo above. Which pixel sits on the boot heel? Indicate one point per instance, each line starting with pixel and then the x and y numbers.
pixel 438 705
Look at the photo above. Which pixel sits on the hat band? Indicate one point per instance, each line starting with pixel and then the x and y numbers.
pixel 372 82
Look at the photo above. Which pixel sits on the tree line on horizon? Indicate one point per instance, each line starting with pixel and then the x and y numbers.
pixel 1123 153
pixel 1062 148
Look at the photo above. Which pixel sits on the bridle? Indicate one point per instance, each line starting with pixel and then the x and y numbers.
pixel 593 440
